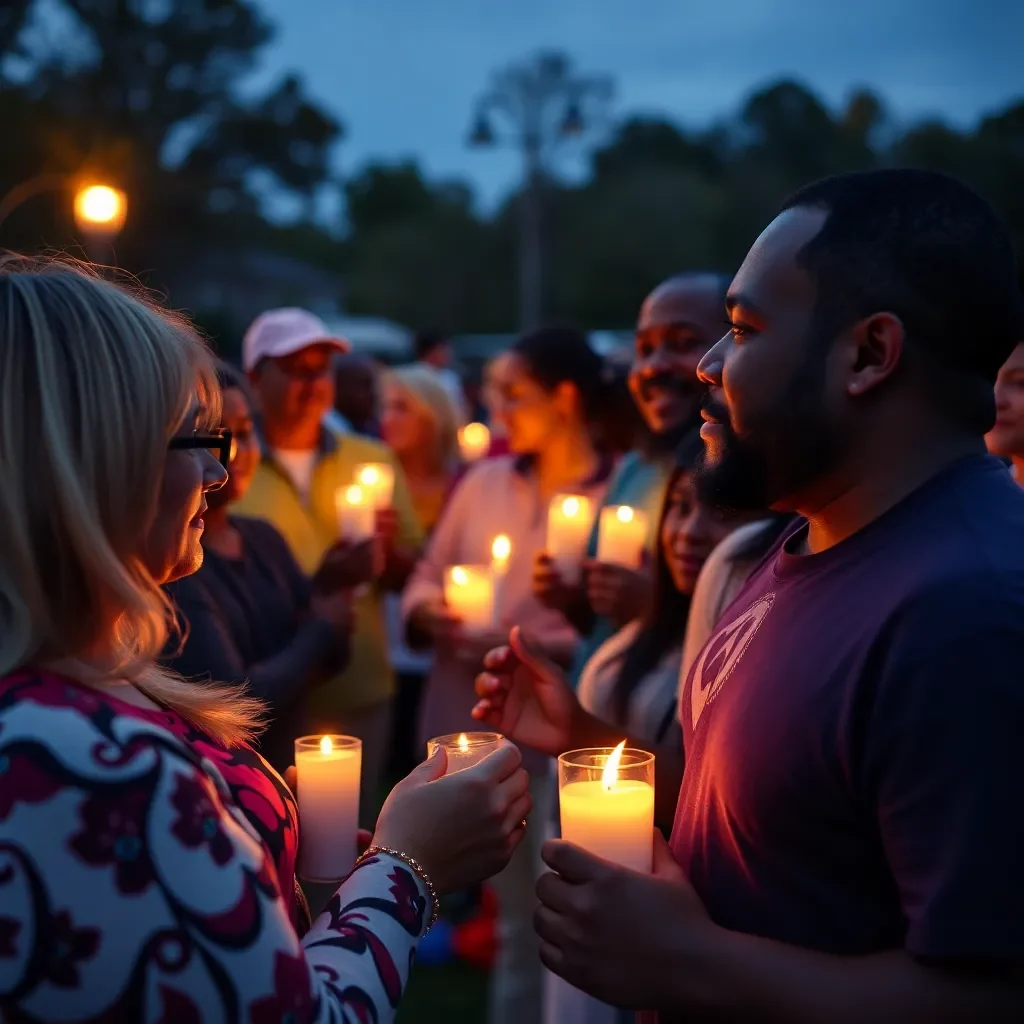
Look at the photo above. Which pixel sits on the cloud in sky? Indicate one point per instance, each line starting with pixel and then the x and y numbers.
pixel 403 74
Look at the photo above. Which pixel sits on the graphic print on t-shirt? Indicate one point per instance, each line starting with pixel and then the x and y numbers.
pixel 721 655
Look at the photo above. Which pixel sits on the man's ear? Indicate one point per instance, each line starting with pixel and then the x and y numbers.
pixel 876 348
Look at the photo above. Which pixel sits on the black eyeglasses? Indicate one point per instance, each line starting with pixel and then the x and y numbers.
pixel 219 443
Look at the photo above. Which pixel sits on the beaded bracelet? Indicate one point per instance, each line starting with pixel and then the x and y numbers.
pixel 417 870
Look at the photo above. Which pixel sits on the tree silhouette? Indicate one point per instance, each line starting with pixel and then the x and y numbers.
pixel 148 98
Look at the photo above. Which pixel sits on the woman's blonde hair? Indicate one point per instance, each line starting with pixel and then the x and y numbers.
pixel 420 383
pixel 94 381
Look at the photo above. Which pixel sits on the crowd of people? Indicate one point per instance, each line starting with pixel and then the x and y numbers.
pixel 820 644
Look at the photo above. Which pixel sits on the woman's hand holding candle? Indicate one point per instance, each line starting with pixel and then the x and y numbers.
pixel 525 696
pixel 473 646
pixel 618 593
pixel 549 586
pixel 462 828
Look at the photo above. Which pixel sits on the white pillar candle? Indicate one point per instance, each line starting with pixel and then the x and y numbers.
pixel 377 480
pixel 606 803
pixel 465 749
pixel 469 594
pixel 356 514
pixel 570 520
pixel 327 769
pixel 501 552
pixel 621 536
pixel 474 441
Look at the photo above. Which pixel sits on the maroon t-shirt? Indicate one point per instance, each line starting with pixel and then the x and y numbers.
pixel 854 733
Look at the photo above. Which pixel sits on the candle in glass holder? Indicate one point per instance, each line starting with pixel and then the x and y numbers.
pixel 474 441
pixel 465 749
pixel 570 519
pixel 606 803
pixel 356 514
pixel 327 791
pixel 469 594
pixel 377 480
pixel 621 536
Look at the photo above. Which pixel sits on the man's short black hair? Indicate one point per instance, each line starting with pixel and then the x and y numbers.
pixel 426 341
pixel 925 247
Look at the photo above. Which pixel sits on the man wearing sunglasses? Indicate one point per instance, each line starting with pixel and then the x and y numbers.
pixel 679 321
pixel 289 356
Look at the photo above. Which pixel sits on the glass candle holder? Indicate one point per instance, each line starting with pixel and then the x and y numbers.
pixel 465 749
pixel 328 769
pixel 606 803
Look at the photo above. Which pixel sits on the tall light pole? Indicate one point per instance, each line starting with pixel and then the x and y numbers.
pixel 541 104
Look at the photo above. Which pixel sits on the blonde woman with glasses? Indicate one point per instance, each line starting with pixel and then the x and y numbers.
pixel 134 885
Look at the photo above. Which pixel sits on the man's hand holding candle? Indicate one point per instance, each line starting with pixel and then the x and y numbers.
pixel 345 565
pixel 396 560
pixel 618 934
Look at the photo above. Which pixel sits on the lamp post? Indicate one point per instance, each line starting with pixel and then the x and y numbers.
pixel 100 210
pixel 542 103
pixel 100 213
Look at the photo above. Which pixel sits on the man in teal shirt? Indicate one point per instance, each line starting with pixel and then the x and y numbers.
pixel 679 321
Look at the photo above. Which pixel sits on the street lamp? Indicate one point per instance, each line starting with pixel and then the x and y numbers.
pixel 100 210
pixel 542 103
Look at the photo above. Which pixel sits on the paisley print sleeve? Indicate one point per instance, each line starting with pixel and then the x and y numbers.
pixel 131 889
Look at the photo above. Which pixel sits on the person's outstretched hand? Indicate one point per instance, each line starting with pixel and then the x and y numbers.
pixel 463 827
pixel 525 696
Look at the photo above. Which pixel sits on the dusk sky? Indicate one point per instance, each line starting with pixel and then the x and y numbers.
pixel 403 74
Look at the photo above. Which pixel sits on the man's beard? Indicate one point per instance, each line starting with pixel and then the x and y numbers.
pixel 778 457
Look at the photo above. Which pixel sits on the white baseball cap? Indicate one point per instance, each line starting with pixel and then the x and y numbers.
pixel 280 332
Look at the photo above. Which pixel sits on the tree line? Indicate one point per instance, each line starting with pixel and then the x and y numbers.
pixel 146 95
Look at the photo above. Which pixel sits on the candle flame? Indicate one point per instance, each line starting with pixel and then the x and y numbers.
pixel 459 576
pixel 354 495
pixel 463 742
pixel 624 514
pixel 326 746
pixel 571 507
pixel 501 549
pixel 611 768
pixel 475 434
pixel 369 475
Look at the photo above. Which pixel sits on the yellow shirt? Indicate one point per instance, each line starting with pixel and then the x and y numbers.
pixel 310 529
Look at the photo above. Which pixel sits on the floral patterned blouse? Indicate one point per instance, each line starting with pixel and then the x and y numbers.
pixel 135 887
pixel 260 793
